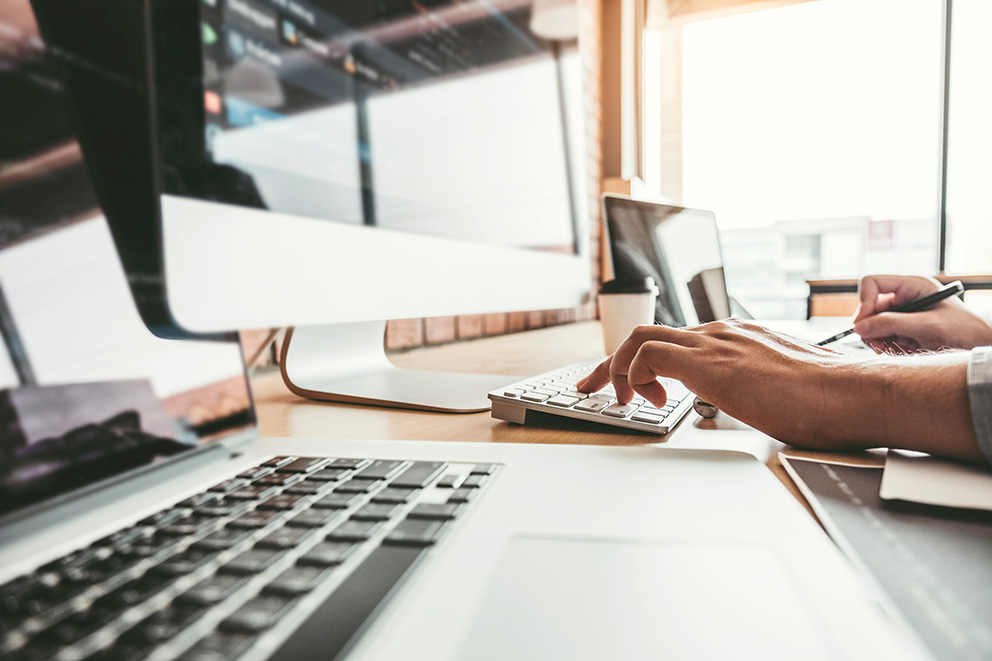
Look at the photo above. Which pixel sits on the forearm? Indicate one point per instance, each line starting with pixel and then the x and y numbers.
pixel 915 403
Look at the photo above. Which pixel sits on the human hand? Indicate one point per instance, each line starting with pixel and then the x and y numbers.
pixel 808 396
pixel 787 388
pixel 948 324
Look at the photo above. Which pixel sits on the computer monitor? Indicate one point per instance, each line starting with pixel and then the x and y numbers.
pixel 329 165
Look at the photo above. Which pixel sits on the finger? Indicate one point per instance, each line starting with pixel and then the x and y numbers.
pixel 922 327
pixel 596 379
pixel 625 353
pixel 655 359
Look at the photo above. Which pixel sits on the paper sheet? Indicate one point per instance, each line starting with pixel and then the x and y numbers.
pixel 920 478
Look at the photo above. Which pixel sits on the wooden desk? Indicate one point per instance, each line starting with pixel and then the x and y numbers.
pixel 522 354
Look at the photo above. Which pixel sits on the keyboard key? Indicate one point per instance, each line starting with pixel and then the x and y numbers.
pixel 329 474
pixel 255 473
pixel 309 488
pixel 591 405
pixel 230 485
pixel 303 465
pixel 563 401
pixel 462 495
pixel 285 538
pixel 314 518
pixel 219 646
pixel 354 530
pixel 335 500
pixel 161 626
pixel 224 538
pixel 440 511
pixel 253 492
pixel 647 417
pixel 256 519
pixel 534 397
pixel 276 462
pixel 347 463
pixel 298 580
pixel 474 481
pixel 380 469
pixel 186 562
pixel 214 589
pixel 376 512
pixel 166 517
pixel 200 499
pixel 416 532
pixel 513 392
pixel 619 410
pixel 393 495
pixel 358 486
pixel 328 553
pixel 419 475
pixel 258 614
pixel 279 479
pixel 451 481
pixel 283 502
pixel 252 562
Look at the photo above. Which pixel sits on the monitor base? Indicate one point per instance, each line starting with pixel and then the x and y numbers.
pixel 347 363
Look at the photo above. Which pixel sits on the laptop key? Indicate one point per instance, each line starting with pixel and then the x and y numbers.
pixel 276 462
pixel 462 495
pixel 314 518
pixel 394 495
pixel 336 500
pixel 252 562
pixel 303 465
pixel 219 646
pixel 258 613
pixel 256 519
pixel 348 463
pixel 436 511
pixel 279 479
pixel 416 532
pixel 309 488
pixel 214 589
pixel 354 530
pixel 255 473
pixel 376 511
pixel 224 538
pixel 329 474
pixel 229 485
pixel 285 538
pixel 419 475
pixel 475 481
pixel 282 502
pixel 253 492
pixel 358 486
pixel 327 554
pixel 298 580
pixel 451 481
pixel 186 562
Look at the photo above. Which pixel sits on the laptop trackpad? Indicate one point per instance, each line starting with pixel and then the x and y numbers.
pixel 555 598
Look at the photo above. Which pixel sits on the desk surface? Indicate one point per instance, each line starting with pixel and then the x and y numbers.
pixel 523 354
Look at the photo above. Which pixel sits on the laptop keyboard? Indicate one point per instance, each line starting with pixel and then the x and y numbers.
pixel 554 393
pixel 223 571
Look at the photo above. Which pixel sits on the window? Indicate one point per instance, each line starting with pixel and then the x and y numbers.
pixel 813 131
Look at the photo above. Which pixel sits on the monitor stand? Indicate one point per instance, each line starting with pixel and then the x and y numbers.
pixel 348 363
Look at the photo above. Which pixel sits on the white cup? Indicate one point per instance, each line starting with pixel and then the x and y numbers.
pixel 624 305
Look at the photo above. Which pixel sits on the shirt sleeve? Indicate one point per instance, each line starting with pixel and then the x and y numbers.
pixel 980 394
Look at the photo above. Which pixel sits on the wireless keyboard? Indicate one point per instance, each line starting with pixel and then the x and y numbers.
pixel 554 393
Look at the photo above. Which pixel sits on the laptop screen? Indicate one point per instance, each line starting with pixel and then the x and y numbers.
pixel 87 393
pixel 679 248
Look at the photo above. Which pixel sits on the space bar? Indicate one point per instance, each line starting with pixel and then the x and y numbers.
pixel 329 628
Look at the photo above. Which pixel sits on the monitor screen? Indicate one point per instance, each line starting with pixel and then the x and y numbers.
pixel 679 248
pixel 87 392
pixel 300 162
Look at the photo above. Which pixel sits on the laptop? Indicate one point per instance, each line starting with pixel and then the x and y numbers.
pixel 144 517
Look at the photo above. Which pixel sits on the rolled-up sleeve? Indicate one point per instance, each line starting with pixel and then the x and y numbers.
pixel 980 395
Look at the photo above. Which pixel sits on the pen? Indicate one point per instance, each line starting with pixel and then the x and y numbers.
pixel 953 289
